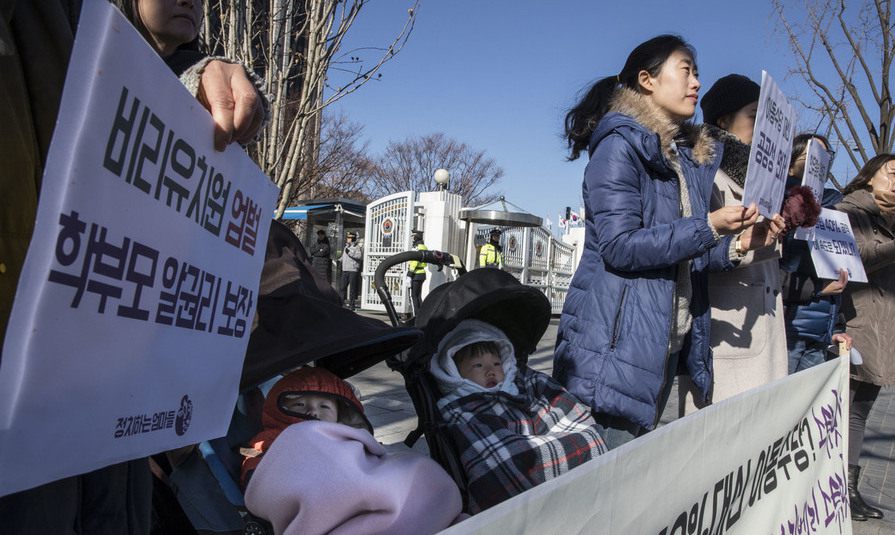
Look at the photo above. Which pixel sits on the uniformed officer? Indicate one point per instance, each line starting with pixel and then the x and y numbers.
pixel 491 254
pixel 417 272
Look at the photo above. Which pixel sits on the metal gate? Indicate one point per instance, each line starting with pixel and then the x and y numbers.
pixel 562 267
pixel 389 223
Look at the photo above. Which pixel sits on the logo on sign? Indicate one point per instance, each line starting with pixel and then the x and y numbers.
pixel 511 244
pixel 539 249
pixel 184 416
pixel 388 226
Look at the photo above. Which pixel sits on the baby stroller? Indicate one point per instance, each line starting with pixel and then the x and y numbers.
pixel 491 295
pixel 299 320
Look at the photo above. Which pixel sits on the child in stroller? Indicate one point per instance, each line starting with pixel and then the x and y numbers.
pixel 502 428
pixel 323 472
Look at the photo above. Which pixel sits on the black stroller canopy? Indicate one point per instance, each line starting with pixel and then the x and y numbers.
pixel 300 319
pixel 491 295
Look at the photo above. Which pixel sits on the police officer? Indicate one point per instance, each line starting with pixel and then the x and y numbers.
pixel 417 272
pixel 491 254
pixel 352 256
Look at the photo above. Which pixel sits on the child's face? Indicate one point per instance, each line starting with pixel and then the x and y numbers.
pixel 483 369
pixel 170 23
pixel 321 407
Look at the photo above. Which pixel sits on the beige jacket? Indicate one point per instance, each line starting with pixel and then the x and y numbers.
pixel 748 330
pixel 869 309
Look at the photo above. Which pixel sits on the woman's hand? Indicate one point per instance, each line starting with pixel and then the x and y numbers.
pixel 837 286
pixel 762 234
pixel 732 219
pixel 233 102
pixel 843 338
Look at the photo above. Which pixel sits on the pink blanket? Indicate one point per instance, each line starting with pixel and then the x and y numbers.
pixel 320 477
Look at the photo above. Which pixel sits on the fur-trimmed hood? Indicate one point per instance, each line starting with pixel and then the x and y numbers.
pixel 640 112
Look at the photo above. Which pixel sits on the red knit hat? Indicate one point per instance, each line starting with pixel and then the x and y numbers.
pixel 310 380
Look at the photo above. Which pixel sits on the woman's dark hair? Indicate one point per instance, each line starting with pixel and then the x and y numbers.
pixel 129 10
pixel 800 142
pixel 866 173
pixel 649 56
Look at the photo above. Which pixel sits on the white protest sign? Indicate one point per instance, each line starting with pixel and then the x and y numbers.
pixel 771 460
pixel 833 247
pixel 133 311
pixel 817 165
pixel 771 147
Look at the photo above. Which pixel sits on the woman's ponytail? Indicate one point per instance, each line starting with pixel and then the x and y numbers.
pixel 584 117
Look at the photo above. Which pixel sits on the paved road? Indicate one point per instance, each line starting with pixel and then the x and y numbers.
pixel 391 413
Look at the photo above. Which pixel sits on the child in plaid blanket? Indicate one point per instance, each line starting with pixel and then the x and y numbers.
pixel 515 428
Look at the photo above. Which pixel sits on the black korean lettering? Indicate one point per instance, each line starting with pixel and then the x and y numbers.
pixel 141 269
pixel 183 163
pixel 120 135
pixel 243 309
pixel 99 249
pixel 68 248
pixel 228 310
pixel 250 235
pixel 211 287
pixel 199 200
pixel 189 292
pixel 146 151
pixel 119 428
pixel 146 424
pixel 169 421
pixel 219 192
pixel 164 314
pixel 238 220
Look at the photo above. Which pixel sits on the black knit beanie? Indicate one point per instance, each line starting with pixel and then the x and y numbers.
pixel 728 95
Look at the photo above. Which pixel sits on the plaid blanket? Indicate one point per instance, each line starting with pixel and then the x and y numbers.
pixel 509 444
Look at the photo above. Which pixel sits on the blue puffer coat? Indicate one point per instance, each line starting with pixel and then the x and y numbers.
pixel 614 334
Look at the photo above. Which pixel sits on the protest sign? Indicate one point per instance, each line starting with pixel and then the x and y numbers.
pixel 775 124
pixel 133 311
pixel 817 165
pixel 771 460
pixel 833 247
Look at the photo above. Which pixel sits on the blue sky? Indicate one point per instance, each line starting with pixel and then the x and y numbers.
pixel 500 75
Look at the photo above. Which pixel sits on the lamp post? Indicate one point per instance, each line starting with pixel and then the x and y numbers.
pixel 442 178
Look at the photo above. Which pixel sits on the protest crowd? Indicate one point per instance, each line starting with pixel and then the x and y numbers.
pixel 681 279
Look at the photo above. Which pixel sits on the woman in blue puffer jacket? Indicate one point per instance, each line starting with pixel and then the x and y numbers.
pixel 637 305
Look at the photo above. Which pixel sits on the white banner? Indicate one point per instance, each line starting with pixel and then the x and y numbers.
pixel 833 247
pixel 133 312
pixel 775 125
pixel 772 460
pixel 817 166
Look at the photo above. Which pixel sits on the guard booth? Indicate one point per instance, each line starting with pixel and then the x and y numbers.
pixel 337 217
pixel 530 252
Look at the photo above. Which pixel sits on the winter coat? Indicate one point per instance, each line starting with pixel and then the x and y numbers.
pixel 615 331
pixel 352 257
pixel 748 331
pixel 275 420
pixel 320 259
pixel 808 315
pixel 869 308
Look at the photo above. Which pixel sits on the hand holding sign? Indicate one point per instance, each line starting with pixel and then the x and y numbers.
pixel 233 102
pixel 762 234
pixel 837 286
pixel 732 219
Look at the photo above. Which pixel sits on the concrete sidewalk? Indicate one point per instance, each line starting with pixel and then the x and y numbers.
pixel 391 412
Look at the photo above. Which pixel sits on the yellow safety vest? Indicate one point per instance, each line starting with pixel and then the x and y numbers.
pixel 489 256
pixel 419 268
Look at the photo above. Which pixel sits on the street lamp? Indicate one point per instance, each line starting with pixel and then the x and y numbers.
pixel 442 177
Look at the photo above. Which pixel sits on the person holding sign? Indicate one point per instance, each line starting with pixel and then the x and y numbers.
pixel 811 305
pixel 868 309
pixel 637 303
pixel 41 34
pixel 747 336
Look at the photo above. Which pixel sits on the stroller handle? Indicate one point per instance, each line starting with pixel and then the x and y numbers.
pixel 438 258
